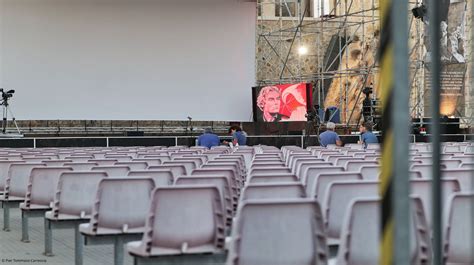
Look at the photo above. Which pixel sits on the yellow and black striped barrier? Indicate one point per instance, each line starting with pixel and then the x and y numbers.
pixel 386 57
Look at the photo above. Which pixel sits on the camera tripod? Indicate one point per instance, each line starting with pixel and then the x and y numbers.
pixel 7 110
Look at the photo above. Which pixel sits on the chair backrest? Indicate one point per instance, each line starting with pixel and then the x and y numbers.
pixel 56 162
pixel 178 170
pixel 281 190
pixel 464 176
pixel 356 165
pixel 458 243
pixel 270 171
pixel 323 180
pixel 338 197
pixel 134 165
pixel 103 162
pixel 370 172
pixel 18 177
pixel 451 163
pixel 149 161
pixel 273 178
pixel 221 182
pixel 185 219
pixel 76 193
pixel 258 164
pixel 119 157
pixel 79 158
pixel 113 171
pixel 4 167
pixel 81 166
pixel 189 166
pixel 278 232
pixel 121 204
pixel 360 234
pixel 310 175
pixel 162 178
pixel 234 180
pixel 342 161
pixel 292 160
pixel 467 165
pixel 422 188
pixel 42 183
pixel 464 158
pixel 198 161
pixel 424 169
pixel 302 165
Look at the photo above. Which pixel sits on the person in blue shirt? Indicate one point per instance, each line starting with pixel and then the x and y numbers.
pixel 330 136
pixel 366 134
pixel 238 136
pixel 208 139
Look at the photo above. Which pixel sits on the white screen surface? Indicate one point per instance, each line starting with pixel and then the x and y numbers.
pixel 128 59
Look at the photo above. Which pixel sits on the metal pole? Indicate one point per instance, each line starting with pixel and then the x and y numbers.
pixel 401 127
pixel 435 65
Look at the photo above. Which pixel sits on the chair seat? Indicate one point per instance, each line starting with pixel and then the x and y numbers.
pixel 34 207
pixel 103 231
pixel 65 217
pixel 12 199
pixel 136 248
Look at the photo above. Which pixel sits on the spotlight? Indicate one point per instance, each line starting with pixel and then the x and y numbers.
pixel 302 50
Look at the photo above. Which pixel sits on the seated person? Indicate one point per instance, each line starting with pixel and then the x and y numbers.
pixel 239 137
pixel 366 134
pixel 330 136
pixel 208 139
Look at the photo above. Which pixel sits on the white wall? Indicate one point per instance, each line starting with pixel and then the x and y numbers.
pixel 128 59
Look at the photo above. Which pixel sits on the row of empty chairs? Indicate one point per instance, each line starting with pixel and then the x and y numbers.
pixel 248 205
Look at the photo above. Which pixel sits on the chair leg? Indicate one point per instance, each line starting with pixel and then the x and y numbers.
pixel 24 227
pixel 48 238
pixel 118 251
pixel 6 217
pixel 78 246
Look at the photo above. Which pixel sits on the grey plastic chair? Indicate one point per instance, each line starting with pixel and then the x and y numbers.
pixel 183 223
pixel 312 173
pixel 73 202
pixel 370 172
pixel 464 176
pixel 458 243
pixel 273 178
pixel 189 165
pixel 422 188
pixel 302 166
pixel 280 190
pixel 40 194
pixel 162 177
pixel 119 214
pixel 225 190
pixel 16 185
pixel 178 170
pixel 4 167
pixel 356 165
pixel 81 166
pixel 278 232
pixel 113 171
pixel 338 197
pixel 320 185
pixel 103 162
pixel 134 165
pixel 360 235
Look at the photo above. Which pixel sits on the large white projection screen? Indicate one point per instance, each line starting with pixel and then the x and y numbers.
pixel 128 59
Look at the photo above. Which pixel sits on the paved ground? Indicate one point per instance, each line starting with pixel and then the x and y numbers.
pixel 13 251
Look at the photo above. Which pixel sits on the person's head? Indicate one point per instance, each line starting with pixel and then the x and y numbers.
pixel 208 130
pixel 331 126
pixel 365 127
pixel 234 129
pixel 268 100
